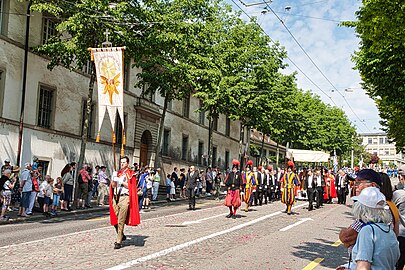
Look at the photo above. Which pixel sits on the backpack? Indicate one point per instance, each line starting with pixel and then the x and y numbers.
pixel 80 179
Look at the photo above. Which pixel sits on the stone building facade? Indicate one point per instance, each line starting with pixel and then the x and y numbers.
pixel 378 143
pixel 54 110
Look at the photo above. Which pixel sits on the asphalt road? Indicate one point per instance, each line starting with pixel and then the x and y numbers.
pixel 174 238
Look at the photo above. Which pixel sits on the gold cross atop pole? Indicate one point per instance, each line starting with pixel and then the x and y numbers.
pixel 107 44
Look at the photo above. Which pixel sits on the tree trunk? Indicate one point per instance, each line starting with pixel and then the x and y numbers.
pixel 242 152
pixel 210 132
pixel 84 135
pixel 158 156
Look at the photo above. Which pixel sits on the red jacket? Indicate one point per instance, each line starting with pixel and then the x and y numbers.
pixel 133 217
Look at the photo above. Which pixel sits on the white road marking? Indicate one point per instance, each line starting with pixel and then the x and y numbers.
pixel 93 230
pixel 295 224
pixel 196 241
pixel 203 219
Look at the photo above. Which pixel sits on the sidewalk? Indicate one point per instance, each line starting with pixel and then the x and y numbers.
pixel 37 216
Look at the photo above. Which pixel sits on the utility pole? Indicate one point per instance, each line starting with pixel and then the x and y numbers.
pixel 24 82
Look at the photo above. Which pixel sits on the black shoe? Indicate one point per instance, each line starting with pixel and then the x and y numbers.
pixel 117 245
pixel 124 238
pixel 233 216
pixel 88 206
pixel 229 216
pixel 190 208
pixel 289 214
pixel 193 208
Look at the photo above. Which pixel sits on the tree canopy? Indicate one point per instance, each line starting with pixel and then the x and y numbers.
pixel 381 61
pixel 201 48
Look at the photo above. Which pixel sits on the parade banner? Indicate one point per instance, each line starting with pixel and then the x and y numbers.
pixel 110 76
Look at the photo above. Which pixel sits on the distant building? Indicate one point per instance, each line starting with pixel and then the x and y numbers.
pixel 378 143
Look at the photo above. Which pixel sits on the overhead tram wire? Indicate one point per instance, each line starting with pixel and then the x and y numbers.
pixel 316 66
pixel 302 72
pixel 278 46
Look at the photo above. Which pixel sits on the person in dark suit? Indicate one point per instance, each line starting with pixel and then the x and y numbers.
pixel 310 188
pixel 319 183
pixel 342 188
pixel 191 186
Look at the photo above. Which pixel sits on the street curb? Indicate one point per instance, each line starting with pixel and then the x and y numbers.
pixel 39 217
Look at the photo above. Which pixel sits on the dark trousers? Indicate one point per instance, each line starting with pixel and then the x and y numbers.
pixel 310 195
pixel 255 196
pixel 268 195
pixel 341 195
pixel 261 193
pixel 319 196
pixel 401 261
pixel 191 198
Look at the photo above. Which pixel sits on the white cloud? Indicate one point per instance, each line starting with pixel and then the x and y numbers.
pixel 329 45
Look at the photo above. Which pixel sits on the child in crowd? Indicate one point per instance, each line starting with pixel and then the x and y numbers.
pixel 57 192
pixel 172 190
pixel 168 187
pixel 46 192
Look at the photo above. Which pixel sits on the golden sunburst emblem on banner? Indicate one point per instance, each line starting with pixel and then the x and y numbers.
pixel 109 78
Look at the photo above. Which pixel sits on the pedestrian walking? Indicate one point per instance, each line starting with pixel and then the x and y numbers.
pixel 123 201
pixel 233 184
pixel 288 184
pixel 310 188
pixel 247 180
pixel 191 186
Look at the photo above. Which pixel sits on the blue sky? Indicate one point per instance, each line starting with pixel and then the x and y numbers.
pixel 314 23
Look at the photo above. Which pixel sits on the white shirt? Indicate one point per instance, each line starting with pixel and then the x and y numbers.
pixel 124 190
pixel 310 179
pixel 318 181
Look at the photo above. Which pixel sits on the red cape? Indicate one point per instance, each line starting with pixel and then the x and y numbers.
pixel 133 217
pixel 333 193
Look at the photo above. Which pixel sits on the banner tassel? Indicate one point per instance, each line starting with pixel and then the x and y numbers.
pixel 114 139
pixel 124 139
pixel 122 150
pixel 98 137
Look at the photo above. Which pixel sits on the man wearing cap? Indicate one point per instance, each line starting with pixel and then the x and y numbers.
pixel 399 199
pixel 365 178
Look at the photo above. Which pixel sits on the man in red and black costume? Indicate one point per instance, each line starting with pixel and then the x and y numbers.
pixel 233 183
pixel 123 201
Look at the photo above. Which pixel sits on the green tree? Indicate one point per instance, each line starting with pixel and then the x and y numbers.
pixel 169 50
pixel 82 25
pixel 238 71
pixel 380 61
